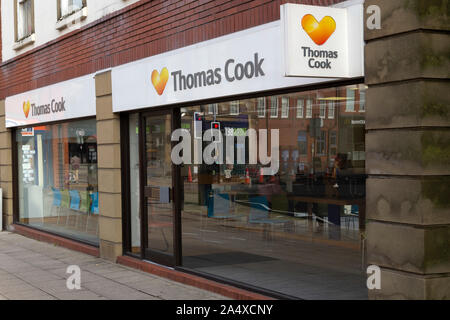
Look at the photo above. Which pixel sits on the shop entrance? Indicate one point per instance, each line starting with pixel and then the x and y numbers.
pixel 158 209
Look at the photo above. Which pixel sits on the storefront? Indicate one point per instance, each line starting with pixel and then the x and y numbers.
pixel 55 151
pixel 230 140
pixel 260 184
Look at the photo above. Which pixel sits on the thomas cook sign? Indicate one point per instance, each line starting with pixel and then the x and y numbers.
pixel 244 62
pixel 323 41
pixel 66 100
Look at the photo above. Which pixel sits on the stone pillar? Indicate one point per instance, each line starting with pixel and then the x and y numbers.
pixel 109 170
pixel 408 149
pixel 6 171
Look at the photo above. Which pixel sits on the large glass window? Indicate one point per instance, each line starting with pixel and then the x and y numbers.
pixel 290 219
pixel 58 179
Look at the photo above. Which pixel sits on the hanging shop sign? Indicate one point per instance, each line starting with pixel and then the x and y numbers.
pixel 323 41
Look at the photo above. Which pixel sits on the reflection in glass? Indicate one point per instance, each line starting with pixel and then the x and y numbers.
pixel 58 183
pixel 158 188
pixel 135 220
pixel 299 231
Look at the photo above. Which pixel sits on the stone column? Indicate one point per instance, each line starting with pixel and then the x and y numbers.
pixel 109 170
pixel 408 149
pixel 6 172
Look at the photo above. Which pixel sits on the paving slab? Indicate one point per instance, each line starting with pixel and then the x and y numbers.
pixel 33 270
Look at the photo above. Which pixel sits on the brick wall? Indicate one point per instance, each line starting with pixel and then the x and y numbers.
pixel 143 29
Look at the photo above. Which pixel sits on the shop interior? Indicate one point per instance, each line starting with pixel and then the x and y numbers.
pixel 58 179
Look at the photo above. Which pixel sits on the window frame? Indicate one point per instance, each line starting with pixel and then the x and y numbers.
pixel 59 8
pixel 300 108
pixel 213 108
pixel 351 99
pixel 299 143
pixel 274 115
pixel 261 107
pixel 235 104
pixel 16 21
pixel 309 108
pixel 323 109
pixel 362 101
pixel 321 140
pixel 331 109
pixel 285 105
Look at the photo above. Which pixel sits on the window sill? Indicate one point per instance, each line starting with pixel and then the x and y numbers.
pixel 72 19
pixel 24 42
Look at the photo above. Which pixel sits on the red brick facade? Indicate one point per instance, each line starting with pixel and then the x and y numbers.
pixel 143 29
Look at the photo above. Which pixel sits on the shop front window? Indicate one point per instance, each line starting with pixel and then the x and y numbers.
pixel 58 179
pixel 292 224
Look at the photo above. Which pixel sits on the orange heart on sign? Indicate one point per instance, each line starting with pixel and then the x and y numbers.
pixel 321 31
pixel 159 80
pixel 26 108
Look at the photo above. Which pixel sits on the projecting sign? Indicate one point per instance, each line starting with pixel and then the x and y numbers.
pixel 323 41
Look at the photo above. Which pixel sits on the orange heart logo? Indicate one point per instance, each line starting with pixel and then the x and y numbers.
pixel 26 108
pixel 159 80
pixel 319 32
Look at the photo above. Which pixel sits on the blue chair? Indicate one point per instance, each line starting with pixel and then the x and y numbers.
pixel 57 201
pixel 94 203
pixel 75 200
pixel 94 207
pixel 56 198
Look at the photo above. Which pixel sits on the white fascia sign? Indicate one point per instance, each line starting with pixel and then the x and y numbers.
pixel 323 41
pixel 244 62
pixel 62 101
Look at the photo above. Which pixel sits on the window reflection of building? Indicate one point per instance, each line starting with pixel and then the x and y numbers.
pixel 300 108
pixel 232 215
pixel 261 107
pixel 274 107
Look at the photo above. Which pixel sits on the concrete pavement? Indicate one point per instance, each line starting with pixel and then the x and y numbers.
pixel 32 270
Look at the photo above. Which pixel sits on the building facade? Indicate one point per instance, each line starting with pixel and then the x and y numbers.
pixel 105 111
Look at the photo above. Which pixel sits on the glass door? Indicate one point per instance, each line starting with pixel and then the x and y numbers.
pixel 157 188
